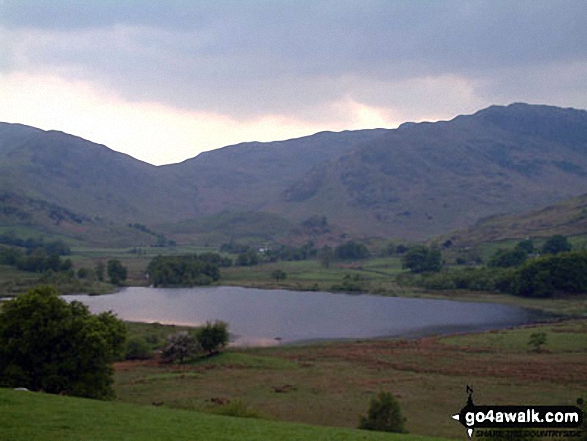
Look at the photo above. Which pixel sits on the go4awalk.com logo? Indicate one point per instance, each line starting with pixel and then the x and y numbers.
pixel 524 421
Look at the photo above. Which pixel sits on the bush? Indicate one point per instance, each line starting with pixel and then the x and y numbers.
pixel 419 259
pixel 351 250
pixel 238 408
pixel 508 258
pixel 187 270
pixel 384 415
pixel 116 271
pixel 279 275
pixel 213 336
pixel 537 340
pixel 138 349
pixel 556 244
pixel 547 275
pixel 58 347
pixel 181 346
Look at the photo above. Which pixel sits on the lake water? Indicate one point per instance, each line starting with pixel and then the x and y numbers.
pixel 264 317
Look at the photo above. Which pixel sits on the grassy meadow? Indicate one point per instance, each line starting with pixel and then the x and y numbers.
pixel 27 416
pixel 331 384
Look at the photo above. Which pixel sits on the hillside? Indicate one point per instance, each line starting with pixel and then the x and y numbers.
pixel 568 218
pixel 424 179
pixel 413 182
pixel 58 418
pixel 88 178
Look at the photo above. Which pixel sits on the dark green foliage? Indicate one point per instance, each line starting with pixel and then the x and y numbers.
pixel 138 349
pixel 58 347
pixel 474 279
pixel 527 245
pixel 420 258
pixel 279 275
pixel 537 340
pixel 234 248
pixel 384 415
pixel 116 271
pixel 401 249
pixel 213 336
pixel 100 269
pixel 556 244
pixel 547 275
pixel 508 258
pixel 37 260
pixel 53 247
pixel 351 250
pixel 248 258
pixel 514 257
pixel 389 250
pixel 186 270
pixel 84 273
pixel 289 253
pixel 238 408
pixel 354 283
pixel 216 259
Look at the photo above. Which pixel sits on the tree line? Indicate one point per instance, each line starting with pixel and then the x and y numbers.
pixel 524 270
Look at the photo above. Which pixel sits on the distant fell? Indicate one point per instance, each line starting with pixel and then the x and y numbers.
pixel 424 179
pixel 568 218
pixel 413 182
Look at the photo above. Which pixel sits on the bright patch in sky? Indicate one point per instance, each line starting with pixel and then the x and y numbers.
pixel 153 132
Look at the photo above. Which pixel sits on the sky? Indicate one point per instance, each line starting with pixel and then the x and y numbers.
pixel 164 81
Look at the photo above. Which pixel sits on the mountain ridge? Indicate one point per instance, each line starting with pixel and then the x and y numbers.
pixel 413 182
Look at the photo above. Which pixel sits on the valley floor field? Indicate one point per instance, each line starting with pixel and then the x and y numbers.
pixel 331 384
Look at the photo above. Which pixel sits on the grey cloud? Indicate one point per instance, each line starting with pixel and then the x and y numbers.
pixel 255 57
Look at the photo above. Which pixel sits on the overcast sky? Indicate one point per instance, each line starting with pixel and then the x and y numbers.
pixel 163 81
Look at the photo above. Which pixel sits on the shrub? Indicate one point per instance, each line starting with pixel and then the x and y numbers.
pixel 213 336
pixel 556 244
pixel 279 275
pixel 351 250
pixel 384 415
pixel 537 340
pixel 419 259
pixel 116 271
pixel 547 275
pixel 238 408
pixel 138 349
pixel 180 346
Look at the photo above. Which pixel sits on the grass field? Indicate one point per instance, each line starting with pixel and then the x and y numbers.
pixel 27 416
pixel 331 384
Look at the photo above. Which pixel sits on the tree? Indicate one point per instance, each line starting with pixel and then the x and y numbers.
pixel 325 255
pixel 547 275
pixel 537 340
pixel 526 245
pixel 556 244
pixel 351 250
pixel 100 268
pixel 508 258
pixel 279 275
pixel 213 336
pixel 421 259
pixel 186 270
pixel 384 415
pixel 58 347
pixel 180 346
pixel 116 272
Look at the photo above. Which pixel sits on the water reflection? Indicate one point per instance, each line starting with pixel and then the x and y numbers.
pixel 270 317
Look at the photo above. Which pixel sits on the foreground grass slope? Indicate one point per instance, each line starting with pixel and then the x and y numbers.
pixel 31 416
